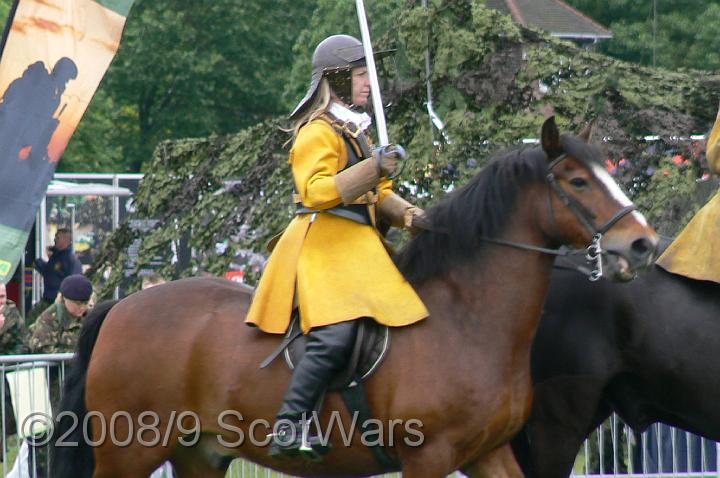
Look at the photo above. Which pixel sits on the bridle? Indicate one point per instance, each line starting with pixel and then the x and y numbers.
pixel 593 252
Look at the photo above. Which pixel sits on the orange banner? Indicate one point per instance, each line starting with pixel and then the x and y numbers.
pixel 55 54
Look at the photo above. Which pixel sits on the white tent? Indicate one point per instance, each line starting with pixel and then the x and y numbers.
pixel 68 188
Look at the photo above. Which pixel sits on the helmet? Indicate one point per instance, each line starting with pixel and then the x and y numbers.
pixel 334 57
pixel 65 68
pixel 338 52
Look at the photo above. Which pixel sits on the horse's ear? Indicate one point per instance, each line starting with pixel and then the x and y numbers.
pixel 586 133
pixel 551 138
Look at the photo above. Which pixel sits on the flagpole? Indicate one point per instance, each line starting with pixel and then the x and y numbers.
pixel 374 84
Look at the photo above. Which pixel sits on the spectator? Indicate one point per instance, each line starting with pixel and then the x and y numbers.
pixel 61 264
pixel 13 334
pixel 58 328
pixel 13 341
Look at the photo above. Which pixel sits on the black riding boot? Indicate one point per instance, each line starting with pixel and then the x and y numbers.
pixel 327 351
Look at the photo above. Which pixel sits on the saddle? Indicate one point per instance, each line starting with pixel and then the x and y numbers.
pixel 371 345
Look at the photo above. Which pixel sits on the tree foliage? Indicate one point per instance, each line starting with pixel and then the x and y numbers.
pixel 5 6
pixel 686 31
pixel 491 79
pixel 190 70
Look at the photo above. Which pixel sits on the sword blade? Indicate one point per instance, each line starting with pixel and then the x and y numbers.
pixel 374 84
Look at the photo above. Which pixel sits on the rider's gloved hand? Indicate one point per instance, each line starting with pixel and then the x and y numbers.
pixel 387 158
pixel 415 220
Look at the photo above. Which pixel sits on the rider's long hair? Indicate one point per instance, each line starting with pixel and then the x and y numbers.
pixel 316 108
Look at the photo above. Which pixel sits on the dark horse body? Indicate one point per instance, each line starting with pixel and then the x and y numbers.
pixel 646 350
pixel 463 372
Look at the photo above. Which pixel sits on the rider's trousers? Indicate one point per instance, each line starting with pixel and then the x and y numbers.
pixel 327 352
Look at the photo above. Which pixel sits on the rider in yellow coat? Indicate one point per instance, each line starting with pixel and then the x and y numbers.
pixel 331 261
pixel 340 267
pixel 695 253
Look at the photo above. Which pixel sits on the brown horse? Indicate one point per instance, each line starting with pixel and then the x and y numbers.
pixel 176 363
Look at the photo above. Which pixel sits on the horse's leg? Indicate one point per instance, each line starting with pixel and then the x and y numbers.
pixel 561 419
pixel 205 459
pixel 125 450
pixel 499 463
pixel 196 470
pixel 133 461
pixel 433 460
pixel 423 470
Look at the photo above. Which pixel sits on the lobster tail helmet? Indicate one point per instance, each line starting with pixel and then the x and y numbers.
pixel 334 57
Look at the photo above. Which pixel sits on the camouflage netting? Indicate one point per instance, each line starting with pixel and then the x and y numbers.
pixel 222 195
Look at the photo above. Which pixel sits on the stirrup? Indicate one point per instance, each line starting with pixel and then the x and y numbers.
pixel 294 439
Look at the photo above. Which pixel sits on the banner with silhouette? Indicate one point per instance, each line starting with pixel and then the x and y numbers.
pixel 53 56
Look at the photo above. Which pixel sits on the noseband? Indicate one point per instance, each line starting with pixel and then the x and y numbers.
pixel 593 252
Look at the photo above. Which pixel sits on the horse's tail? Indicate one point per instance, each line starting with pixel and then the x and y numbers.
pixel 73 458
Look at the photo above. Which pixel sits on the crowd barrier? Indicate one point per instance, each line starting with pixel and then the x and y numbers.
pixel 32 384
pixel 29 384
pixel 614 449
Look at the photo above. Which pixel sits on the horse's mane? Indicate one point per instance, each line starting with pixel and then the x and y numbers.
pixel 481 208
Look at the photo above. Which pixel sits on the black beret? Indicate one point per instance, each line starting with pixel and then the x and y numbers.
pixel 76 287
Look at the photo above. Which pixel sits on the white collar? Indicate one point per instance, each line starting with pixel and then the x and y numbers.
pixel 362 120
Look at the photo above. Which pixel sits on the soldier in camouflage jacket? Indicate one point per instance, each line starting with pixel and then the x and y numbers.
pixel 58 328
pixel 13 341
pixel 13 334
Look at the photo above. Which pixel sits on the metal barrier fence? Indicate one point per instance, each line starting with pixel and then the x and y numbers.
pixel 32 384
pixel 614 449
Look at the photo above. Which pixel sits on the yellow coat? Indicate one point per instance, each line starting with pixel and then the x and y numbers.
pixel 695 253
pixel 339 268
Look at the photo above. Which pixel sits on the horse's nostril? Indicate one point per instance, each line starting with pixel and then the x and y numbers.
pixel 642 247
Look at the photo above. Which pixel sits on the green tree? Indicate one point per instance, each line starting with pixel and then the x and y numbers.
pixel 97 144
pixel 5 6
pixel 686 34
pixel 198 68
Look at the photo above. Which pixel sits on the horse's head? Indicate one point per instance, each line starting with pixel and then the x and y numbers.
pixel 586 206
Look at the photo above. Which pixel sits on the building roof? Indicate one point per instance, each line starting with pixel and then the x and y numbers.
pixel 554 16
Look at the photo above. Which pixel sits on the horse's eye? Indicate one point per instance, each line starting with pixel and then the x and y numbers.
pixel 578 183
